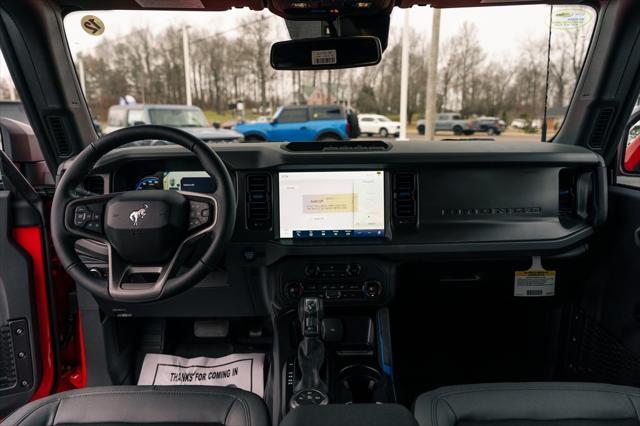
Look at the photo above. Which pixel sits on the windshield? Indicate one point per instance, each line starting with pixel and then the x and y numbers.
pixel 491 62
pixel 177 117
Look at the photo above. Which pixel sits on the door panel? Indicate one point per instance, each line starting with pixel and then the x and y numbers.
pixel 27 352
pixel 19 366
pixel 622 302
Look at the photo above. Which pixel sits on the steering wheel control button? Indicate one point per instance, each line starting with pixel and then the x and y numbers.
pixel 80 216
pixel 199 214
pixel 88 217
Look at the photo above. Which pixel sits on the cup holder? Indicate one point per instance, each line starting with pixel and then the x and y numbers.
pixel 359 383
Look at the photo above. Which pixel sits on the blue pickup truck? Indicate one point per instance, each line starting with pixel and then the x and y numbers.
pixel 303 123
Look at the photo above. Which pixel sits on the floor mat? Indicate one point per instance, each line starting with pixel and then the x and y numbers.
pixel 243 371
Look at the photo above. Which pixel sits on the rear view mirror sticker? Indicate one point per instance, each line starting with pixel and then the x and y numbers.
pixel 324 57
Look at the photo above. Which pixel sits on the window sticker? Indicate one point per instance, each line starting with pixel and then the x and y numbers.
pixel 92 25
pixel 567 18
pixel 535 282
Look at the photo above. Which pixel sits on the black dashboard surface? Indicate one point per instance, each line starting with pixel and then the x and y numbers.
pixel 470 196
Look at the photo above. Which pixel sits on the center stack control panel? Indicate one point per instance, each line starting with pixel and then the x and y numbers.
pixel 355 281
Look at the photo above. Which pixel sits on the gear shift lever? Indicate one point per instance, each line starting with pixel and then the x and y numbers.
pixel 310 389
pixel 310 313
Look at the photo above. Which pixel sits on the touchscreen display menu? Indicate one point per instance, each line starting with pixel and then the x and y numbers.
pixel 331 204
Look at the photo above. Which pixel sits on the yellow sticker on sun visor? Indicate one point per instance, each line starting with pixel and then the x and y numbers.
pixel 92 25
pixel 535 282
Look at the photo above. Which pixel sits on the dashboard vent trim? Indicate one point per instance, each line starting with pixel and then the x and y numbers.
pixel 259 202
pixel 600 128
pixel 94 184
pixel 58 132
pixel 405 198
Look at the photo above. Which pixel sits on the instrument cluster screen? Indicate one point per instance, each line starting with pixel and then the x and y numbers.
pixel 189 181
pixel 331 204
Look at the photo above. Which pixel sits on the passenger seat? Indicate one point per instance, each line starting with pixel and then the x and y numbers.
pixel 530 404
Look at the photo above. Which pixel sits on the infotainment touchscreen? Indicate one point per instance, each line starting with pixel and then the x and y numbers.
pixel 331 204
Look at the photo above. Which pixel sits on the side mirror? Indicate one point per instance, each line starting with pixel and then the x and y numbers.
pixel 215 125
pixel 631 145
pixel 326 53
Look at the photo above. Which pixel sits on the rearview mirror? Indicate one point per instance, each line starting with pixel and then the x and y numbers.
pixel 326 53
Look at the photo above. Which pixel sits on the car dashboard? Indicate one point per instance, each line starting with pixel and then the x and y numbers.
pixel 300 205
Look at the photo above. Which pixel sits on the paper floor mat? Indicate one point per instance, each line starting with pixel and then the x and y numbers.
pixel 243 371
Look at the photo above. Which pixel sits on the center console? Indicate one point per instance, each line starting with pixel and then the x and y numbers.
pixel 334 330
pixel 350 415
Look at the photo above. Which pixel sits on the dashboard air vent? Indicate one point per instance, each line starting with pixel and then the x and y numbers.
pixel 94 184
pixel 567 195
pixel 58 132
pixel 600 128
pixel 574 195
pixel 259 202
pixel 405 198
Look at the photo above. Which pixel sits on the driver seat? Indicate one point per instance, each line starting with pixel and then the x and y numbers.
pixel 140 405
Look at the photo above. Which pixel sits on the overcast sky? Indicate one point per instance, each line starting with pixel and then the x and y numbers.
pixel 501 29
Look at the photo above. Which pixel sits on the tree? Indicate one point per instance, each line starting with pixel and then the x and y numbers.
pixel 367 100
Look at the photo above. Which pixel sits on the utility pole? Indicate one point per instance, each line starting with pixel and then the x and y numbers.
pixel 187 63
pixel 404 77
pixel 432 78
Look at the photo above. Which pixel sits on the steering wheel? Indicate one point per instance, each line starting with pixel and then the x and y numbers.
pixel 146 232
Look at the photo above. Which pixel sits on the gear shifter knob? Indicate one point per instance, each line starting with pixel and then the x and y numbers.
pixel 310 313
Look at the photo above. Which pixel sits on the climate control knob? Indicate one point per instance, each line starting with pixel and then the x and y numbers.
pixel 293 290
pixel 372 289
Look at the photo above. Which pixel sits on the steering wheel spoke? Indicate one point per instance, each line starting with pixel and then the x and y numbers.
pixel 129 282
pixel 84 217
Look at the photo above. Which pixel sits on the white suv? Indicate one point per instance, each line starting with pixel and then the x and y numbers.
pixel 374 124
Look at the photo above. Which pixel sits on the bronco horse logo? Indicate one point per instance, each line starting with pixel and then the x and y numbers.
pixel 137 215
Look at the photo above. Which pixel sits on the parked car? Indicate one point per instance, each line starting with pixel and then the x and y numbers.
pixel 519 123
pixel 13 110
pixel 188 118
pixel 229 124
pixel 262 119
pixel 490 125
pixel 375 124
pixel 302 123
pixel 451 122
